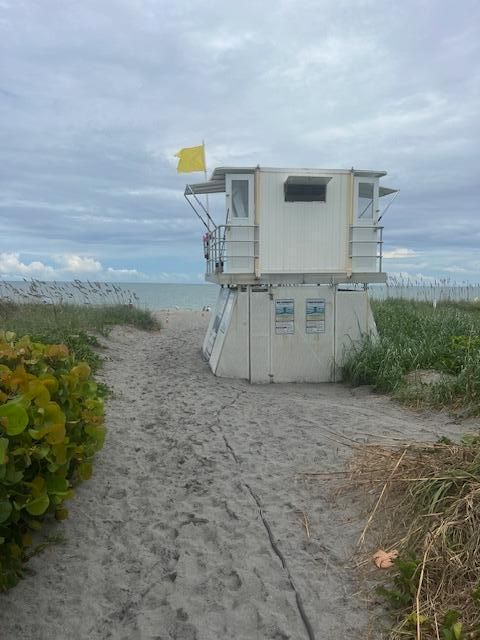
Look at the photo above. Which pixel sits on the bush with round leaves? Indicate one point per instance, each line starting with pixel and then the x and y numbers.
pixel 51 425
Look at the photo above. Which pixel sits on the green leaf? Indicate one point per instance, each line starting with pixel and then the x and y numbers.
pixel 3 450
pixel 41 450
pixel 413 618
pixel 97 434
pixel 457 630
pixel 5 510
pixel 85 471
pixel 439 493
pixel 38 506
pixel 17 417
pixel 61 514
pixel 56 484
pixel 450 618
pixel 38 486
pixel 476 593
pixel 13 476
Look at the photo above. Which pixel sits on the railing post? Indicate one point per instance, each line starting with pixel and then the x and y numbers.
pixel 223 249
pixel 381 250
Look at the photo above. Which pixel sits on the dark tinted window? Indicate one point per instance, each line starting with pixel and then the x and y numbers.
pixel 295 192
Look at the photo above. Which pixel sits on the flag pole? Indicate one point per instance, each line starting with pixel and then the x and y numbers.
pixel 205 172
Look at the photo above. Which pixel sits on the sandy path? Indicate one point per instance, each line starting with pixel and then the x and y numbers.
pixel 167 540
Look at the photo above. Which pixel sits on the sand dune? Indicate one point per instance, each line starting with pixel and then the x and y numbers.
pixel 191 527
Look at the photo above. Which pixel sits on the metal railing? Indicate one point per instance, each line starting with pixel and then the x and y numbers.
pixel 234 248
pixel 231 249
pixel 375 244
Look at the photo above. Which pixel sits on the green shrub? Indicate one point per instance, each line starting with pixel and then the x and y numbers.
pixel 51 425
pixel 414 335
pixel 57 321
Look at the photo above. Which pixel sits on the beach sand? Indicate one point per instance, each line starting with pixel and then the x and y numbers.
pixel 197 489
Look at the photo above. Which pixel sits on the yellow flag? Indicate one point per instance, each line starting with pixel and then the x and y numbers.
pixel 191 159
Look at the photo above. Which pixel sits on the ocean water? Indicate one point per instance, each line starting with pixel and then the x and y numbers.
pixel 170 296
pixel 154 296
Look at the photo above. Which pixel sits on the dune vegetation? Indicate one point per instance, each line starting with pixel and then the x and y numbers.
pixel 418 336
pixel 426 497
pixel 51 408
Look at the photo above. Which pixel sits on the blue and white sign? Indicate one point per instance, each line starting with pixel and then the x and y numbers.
pixel 315 315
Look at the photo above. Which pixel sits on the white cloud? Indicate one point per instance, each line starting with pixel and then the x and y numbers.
pixel 69 267
pixel 80 264
pixel 171 276
pixel 121 274
pixel 335 51
pixel 428 112
pixel 12 266
pixel 160 192
pixel 228 41
pixel 130 271
pixel 38 204
pixel 294 86
pixel 400 253
pixel 456 269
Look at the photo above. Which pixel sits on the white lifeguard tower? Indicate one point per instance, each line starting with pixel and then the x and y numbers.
pixel 293 259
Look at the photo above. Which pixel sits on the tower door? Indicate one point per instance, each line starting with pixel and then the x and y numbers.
pixel 366 201
pixel 240 230
pixel 364 232
pixel 239 189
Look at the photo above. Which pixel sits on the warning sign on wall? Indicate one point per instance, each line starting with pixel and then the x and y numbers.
pixel 315 315
pixel 284 316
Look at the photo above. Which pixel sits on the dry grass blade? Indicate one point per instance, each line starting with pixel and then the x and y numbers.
pixel 429 509
pixel 419 589
pixel 361 540
pixel 306 525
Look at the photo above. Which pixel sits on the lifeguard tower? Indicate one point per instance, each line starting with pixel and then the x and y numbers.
pixel 293 258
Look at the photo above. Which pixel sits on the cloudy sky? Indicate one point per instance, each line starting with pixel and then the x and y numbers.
pixel 97 95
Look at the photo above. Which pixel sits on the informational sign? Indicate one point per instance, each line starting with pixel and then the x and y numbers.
pixel 284 316
pixel 315 315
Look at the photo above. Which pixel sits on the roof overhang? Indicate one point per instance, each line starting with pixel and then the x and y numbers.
pixel 369 174
pixel 216 184
pixel 212 186
pixel 310 180
pixel 220 172
pixel 385 191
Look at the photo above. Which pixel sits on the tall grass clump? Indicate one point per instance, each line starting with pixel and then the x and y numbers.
pixel 426 290
pixel 415 336
pixel 427 508
pixel 70 313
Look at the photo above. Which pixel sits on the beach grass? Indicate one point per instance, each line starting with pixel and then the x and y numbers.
pixel 426 497
pixel 31 318
pixel 73 315
pixel 426 501
pixel 74 325
pixel 417 336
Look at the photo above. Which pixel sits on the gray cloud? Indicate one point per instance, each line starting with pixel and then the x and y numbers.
pixel 96 97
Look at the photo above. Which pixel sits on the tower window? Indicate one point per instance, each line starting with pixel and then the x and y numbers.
pixel 305 189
